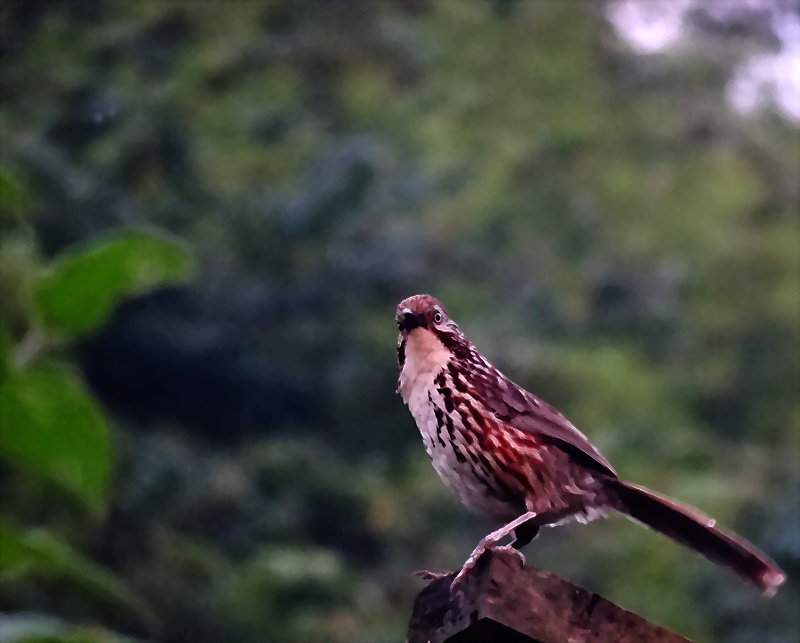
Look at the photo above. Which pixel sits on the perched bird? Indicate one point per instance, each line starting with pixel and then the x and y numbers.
pixel 506 453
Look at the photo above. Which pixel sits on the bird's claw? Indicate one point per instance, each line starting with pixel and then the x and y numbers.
pixel 516 552
pixel 476 555
pixel 470 563
pixel 465 570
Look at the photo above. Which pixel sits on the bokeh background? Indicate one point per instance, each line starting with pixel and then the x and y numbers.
pixel 210 211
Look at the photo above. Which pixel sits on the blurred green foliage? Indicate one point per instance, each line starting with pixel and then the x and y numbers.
pixel 40 553
pixel 54 429
pixel 601 224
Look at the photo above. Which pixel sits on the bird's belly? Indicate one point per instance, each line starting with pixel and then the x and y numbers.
pixel 473 487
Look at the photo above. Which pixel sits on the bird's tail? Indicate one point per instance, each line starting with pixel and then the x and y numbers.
pixel 696 531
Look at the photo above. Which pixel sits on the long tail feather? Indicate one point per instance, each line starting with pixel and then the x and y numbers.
pixel 696 531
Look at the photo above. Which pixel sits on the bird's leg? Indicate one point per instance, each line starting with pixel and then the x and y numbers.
pixel 488 542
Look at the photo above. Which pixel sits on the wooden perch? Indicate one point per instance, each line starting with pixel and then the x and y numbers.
pixel 502 602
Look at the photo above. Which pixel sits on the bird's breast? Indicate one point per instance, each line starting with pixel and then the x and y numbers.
pixel 425 381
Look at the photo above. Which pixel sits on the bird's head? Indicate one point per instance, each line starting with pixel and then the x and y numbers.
pixel 421 311
pixel 423 321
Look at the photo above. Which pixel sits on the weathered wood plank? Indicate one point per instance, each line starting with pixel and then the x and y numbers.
pixel 500 601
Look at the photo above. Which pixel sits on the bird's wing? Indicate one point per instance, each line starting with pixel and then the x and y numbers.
pixel 524 411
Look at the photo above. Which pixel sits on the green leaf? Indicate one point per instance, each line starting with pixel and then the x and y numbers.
pixel 53 427
pixel 78 293
pixel 40 553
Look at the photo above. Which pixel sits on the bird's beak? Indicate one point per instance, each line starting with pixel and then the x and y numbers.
pixel 408 321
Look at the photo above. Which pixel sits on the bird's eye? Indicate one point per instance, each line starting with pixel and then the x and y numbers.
pixel 437 318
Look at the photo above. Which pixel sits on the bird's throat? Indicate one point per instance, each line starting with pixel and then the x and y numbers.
pixel 425 357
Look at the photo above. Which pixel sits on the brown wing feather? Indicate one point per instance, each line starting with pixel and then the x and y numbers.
pixel 526 412
pixel 515 406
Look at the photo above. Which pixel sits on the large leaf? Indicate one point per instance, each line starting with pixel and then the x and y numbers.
pixel 41 554
pixel 52 426
pixel 77 294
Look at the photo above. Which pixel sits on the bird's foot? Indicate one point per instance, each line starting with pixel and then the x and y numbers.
pixel 488 542
pixel 512 549
pixel 429 575
pixel 482 548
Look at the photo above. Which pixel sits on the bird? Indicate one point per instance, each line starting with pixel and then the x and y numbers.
pixel 509 455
